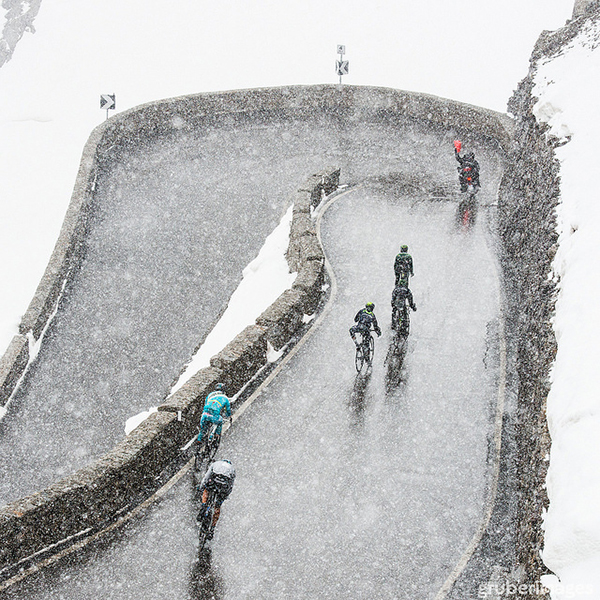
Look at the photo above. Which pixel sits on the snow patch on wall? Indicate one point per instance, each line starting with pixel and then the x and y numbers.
pixel 134 421
pixel 264 280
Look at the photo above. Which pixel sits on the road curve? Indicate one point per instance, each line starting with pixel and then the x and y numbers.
pixel 347 489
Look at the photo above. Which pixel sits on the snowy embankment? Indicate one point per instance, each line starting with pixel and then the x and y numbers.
pixel 567 90
pixel 263 281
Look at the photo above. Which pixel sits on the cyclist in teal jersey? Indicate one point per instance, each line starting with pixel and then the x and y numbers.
pixel 216 402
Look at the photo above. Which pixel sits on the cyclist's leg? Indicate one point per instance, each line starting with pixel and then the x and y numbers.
pixel 203 500
pixel 362 332
pixel 217 512
pixel 353 331
pixel 215 517
pixel 205 421
pixel 202 452
pixel 198 449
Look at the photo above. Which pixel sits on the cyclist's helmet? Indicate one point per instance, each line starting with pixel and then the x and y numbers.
pixel 470 156
pixel 370 306
pixel 404 248
pixel 224 468
pixel 220 387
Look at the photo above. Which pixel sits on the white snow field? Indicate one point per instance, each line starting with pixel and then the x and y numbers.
pixel 568 87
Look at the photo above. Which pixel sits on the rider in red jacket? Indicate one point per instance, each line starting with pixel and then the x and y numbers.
pixel 469 167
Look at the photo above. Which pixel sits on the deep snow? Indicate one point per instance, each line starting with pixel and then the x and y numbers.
pixel 567 87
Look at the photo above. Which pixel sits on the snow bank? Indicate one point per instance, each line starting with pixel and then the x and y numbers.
pixel 264 280
pixel 134 421
pixel 567 88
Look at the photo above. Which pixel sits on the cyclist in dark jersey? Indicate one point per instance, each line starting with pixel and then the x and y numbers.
pixel 219 478
pixel 403 265
pixel 400 297
pixel 365 319
pixel 469 167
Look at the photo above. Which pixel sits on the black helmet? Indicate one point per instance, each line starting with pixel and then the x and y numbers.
pixel 220 387
pixel 370 306
pixel 470 156
pixel 404 248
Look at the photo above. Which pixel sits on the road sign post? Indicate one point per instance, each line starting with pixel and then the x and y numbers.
pixel 341 65
pixel 108 101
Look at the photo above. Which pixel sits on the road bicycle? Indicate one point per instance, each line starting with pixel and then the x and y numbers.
pixel 205 519
pixel 364 352
pixel 207 449
pixel 400 325
pixel 467 207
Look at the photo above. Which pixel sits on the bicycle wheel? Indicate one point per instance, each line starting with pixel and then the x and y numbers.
pixel 212 446
pixel 359 359
pixel 202 457
pixel 371 350
pixel 205 522
pixel 405 323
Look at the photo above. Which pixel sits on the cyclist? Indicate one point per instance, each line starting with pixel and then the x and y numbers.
pixel 469 167
pixel 400 297
pixel 214 404
pixel 403 265
pixel 364 319
pixel 219 479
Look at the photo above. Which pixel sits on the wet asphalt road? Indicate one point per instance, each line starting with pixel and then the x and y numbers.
pixel 345 488
pixel 175 224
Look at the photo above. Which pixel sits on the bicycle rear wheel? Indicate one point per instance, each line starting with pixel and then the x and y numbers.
pixel 212 446
pixel 205 522
pixel 405 323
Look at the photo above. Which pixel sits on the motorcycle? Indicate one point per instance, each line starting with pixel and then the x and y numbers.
pixel 467 207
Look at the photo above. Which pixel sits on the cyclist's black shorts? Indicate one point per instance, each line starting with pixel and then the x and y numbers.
pixel 364 331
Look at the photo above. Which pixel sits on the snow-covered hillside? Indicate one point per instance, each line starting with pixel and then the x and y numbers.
pixel 567 87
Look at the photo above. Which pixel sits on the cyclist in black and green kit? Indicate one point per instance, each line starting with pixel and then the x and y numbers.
pixel 403 265
pixel 365 319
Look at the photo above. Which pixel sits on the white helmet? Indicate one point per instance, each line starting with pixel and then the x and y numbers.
pixel 223 467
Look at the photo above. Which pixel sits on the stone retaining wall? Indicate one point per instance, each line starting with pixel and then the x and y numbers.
pixel 528 198
pixel 93 495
